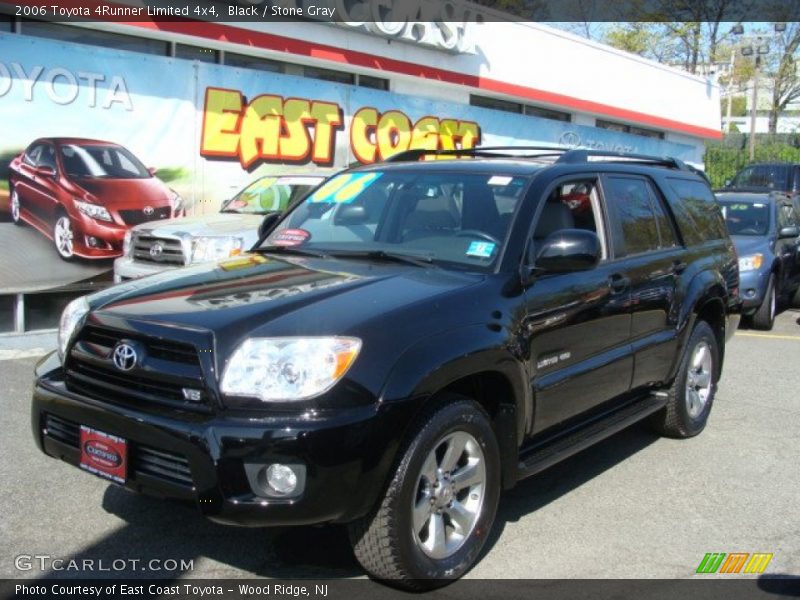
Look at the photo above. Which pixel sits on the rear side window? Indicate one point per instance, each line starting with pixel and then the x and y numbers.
pixel 638 220
pixel 774 177
pixel 697 211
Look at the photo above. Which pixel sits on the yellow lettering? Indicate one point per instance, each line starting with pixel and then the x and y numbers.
pixel 221 113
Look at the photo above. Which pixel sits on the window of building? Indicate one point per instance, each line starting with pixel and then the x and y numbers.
pixel 376 83
pixel 6 23
pixel 623 128
pixel 253 62
pixel 187 52
pixel 547 113
pixel 94 37
pixel 495 104
pixel 329 75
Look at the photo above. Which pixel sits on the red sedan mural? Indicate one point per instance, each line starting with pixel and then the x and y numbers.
pixel 85 194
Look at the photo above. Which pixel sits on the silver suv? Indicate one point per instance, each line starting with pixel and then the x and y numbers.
pixel 157 246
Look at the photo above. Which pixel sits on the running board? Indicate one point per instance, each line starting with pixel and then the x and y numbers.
pixel 541 457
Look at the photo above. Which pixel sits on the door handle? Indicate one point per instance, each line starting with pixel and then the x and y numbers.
pixel 618 283
pixel 678 267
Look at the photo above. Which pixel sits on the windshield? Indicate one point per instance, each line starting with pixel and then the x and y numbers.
pixel 774 177
pixel 460 218
pixel 101 162
pixel 745 218
pixel 270 194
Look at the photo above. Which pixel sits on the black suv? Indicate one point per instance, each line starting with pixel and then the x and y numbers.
pixel 409 340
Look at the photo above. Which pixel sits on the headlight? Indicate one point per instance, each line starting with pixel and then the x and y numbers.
pixel 215 248
pixel 95 211
pixel 126 243
pixel 751 263
pixel 70 319
pixel 176 201
pixel 286 369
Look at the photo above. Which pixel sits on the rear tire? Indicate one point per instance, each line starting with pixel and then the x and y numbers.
pixel 764 317
pixel 692 393
pixel 438 510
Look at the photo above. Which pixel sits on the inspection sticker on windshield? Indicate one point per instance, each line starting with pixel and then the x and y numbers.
pixel 481 249
pixel 290 237
pixel 499 180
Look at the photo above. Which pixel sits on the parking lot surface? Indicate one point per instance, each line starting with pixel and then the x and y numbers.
pixel 634 506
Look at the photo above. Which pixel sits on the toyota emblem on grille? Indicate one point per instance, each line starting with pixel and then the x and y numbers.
pixel 124 357
pixel 156 250
pixel 149 210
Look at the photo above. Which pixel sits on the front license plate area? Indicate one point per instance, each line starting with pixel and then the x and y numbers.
pixel 104 454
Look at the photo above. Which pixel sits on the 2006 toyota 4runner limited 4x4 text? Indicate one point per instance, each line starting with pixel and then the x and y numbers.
pixel 408 341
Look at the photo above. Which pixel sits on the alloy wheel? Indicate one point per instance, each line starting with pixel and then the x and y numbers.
pixel 699 379
pixel 63 237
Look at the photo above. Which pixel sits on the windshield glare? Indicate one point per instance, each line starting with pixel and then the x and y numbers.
pixel 101 162
pixel 744 218
pixel 460 218
pixel 762 176
pixel 269 194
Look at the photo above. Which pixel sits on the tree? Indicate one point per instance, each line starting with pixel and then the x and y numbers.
pixel 785 80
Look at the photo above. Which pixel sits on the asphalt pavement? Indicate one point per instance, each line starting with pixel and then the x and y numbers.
pixel 634 506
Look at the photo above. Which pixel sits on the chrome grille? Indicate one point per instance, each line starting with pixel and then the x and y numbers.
pixel 159 250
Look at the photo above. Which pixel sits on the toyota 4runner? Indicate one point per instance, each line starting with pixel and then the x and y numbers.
pixel 408 341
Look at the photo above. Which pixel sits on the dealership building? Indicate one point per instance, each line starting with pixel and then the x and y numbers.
pixel 212 105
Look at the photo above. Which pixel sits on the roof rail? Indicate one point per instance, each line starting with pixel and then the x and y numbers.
pixel 565 155
pixel 582 155
pixel 501 151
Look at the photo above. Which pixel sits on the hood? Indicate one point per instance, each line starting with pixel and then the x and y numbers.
pixel 205 225
pixel 262 295
pixel 127 193
pixel 751 244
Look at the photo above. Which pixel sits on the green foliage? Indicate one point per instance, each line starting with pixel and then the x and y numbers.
pixel 724 159
pixel 738 106
pixel 168 174
pixel 4 185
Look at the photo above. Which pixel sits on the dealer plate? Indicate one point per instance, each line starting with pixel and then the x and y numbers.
pixel 104 454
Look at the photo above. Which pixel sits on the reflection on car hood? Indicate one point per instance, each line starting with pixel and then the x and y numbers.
pixel 127 193
pixel 206 225
pixel 751 244
pixel 286 296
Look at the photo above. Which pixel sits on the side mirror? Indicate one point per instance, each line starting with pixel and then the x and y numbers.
pixel 728 183
pixel 152 171
pixel 267 225
pixel 45 171
pixel 792 231
pixel 568 250
pixel 350 214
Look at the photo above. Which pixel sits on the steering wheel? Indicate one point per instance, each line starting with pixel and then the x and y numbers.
pixel 479 234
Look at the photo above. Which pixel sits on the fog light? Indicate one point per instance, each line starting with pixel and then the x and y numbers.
pixel 92 241
pixel 750 293
pixel 281 478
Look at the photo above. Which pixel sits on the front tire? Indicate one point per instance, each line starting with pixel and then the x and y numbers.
pixel 16 207
pixel 764 317
pixel 63 237
pixel 692 393
pixel 440 505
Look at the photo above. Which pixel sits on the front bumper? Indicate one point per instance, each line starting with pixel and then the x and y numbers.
pixel 753 288
pixel 345 455
pixel 127 268
pixel 97 239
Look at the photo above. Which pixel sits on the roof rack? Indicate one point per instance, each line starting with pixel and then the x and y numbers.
pixel 488 151
pixel 565 156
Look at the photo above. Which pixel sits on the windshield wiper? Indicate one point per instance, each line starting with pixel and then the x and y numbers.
pixel 290 250
pixel 419 261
